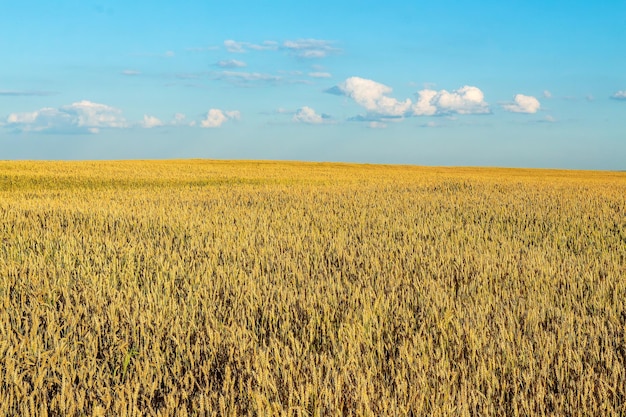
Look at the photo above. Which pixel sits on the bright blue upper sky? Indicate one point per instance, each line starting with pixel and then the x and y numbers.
pixel 518 83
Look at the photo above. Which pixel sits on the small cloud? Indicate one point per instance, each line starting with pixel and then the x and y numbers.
pixel 547 94
pixel 169 54
pixel 216 118
pixel 523 104
pixel 307 115
pixel 13 93
pixel 589 98
pixel 431 124
pixel 178 120
pixel 320 74
pixel 130 73
pixel 230 63
pixel 150 121
pixel 311 48
pixel 377 125
pixel 80 117
pixel 619 95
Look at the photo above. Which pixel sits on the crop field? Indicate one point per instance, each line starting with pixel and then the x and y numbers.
pixel 222 288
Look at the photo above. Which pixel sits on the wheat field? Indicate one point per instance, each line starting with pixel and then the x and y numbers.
pixel 243 288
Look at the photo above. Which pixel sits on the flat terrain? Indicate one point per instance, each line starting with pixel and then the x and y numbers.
pixel 262 288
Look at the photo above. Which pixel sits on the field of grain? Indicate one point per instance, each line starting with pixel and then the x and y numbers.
pixel 268 289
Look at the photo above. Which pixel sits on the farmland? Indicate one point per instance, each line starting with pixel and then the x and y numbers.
pixel 274 288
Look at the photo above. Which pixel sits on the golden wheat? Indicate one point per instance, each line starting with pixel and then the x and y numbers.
pixel 257 288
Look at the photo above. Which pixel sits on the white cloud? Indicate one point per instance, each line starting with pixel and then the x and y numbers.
pixel 465 100
pixel 169 54
pixel 619 95
pixel 547 94
pixel 150 122
pixel 372 96
pixel 231 63
pixel 130 72
pixel 523 104
pixel 217 117
pixel 307 115
pixel 80 117
pixel 241 47
pixel 311 48
pixel 375 98
pixel 320 74
pixel 377 125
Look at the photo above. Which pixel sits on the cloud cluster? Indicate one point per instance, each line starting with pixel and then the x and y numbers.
pixel 375 98
pixel 523 104
pixel 80 117
pixel 619 95
pixel 216 118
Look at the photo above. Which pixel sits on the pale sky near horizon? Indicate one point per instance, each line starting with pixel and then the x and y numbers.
pixel 518 83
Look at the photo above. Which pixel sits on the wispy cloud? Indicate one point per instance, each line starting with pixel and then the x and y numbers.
pixel 216 118
pixel 547 94
pixel 245 78
pixel 202 48
pixel 130 72
pixel 311 48
pixel 230 63
pixel 619 95
pixel 14 93
pixel 320 74
pixel 523 104
pixel 242 47
pixel 80 117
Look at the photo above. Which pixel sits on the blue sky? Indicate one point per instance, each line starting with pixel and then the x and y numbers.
pixel 520 83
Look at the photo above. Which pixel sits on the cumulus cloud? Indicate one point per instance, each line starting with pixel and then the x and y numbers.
pixel 465 100
pixel 522 104
pixel 307 115
pixel 375 97
pixel 217 117
pixel 310 48
pixel 372 95
pixel 150 122
pixel 241 47
pixel 80 117
pixel 320 74
pixel 377 125
pixel 619 95
pixel 230 63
